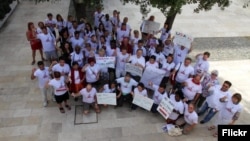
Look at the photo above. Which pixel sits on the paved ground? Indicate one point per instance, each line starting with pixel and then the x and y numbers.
pixel 22 117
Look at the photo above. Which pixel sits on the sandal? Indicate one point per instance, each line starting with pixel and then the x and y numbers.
pixel 61 110
pixel 68 107
pixel 211 128
pixel 215 135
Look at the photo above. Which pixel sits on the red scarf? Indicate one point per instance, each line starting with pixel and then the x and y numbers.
pixel 195 82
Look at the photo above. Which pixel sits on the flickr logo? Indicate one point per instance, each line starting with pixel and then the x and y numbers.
pixel 238 132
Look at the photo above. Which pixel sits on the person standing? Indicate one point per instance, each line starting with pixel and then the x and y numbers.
pixel 60 91
pixel 35 43
pixel 202 65
pixel 98 17
pixel 51 23
pixel 61 67
pixel 42 75
pixel 92 71
pixel 180 53
pixel 168 67
pixel 121 62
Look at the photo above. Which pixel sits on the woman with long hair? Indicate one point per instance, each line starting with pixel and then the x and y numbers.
pixel 35 43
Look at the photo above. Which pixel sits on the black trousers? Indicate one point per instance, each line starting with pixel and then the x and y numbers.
pixel 154 108
pixel 124 98
pixel 165 80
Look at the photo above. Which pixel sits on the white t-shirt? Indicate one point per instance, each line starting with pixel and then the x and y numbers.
pixel 42 76
pixel 180 55
pixel 50 22
pixel 157 97
pixel 122 34
pixel 154 65
pixel 114 21
pixel 206 82
pixel 164 34
pixel 93 45
pixel 134 40
pixel 77 77
pixel 168 49
pixel 88 97
pixel 65 69
pixel 167 67
pixel 59 86
pixel 178 106
pixel 77 58
pixel 126 87
pixel 201 65
pixel 143 92
pixel 107 89
pixel 98 17
pixel 213 100
pixel 230 110
pixel 60 25
pixel 191 89
pixel 121 61
pixel 184 72
pixel 135 60
pixel 159 57
pixel 108 25
pixel 190 118
pixel 128 27
pixel 77 42
pixel 48 41
pixel 144 51
pixel 91 73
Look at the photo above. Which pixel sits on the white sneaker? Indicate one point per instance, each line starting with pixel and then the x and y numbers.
pixel 45 104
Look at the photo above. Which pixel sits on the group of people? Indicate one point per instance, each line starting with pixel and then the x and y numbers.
pixel 69 68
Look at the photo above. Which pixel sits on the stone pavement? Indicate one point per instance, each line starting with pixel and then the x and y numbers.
pixel 22 117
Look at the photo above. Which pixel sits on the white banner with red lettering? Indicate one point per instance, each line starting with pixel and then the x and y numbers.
pixel 183 39
pixel 105 62
pixel 166 107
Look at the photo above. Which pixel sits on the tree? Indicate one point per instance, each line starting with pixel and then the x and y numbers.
pixel 170 8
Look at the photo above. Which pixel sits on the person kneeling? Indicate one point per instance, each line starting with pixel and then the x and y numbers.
pixel 189 120
pixel 88 99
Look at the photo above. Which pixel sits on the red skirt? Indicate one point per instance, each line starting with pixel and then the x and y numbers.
pixel 75 88
pixel 36 44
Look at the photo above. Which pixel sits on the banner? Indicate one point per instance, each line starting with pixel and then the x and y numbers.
pixel 106 98
pixel 153 75
pixel 166 107
pixel 105 62
pixel 150 27
pixel 134 70
pixel 142 101
pixel 183 39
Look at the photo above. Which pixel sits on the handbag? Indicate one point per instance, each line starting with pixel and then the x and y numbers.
pixel 175 131
pixel 172 81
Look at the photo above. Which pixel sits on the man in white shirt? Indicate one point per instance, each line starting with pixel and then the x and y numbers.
pixel 168 66
pixel 202 65
pixel 42 75
pixel 125 21
pixel 61 67
pixel 189 120
pixel 115 19
pixel 48 42
pixel 180 53
pixel 192 89
pixel 160 57
pixel 92 71
pixel 159 94
pixel 122 32
pixel 121 63
pixel 182 72
pixel 51 23
pixel 126 85
pixel 99 15
pixel 168 47
pixel 140 46
pixel 218 95
pixel 77 41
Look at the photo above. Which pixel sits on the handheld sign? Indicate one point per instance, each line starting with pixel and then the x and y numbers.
pixel 142 101
pixel 105 62
pixel 166 107
pixel 150 27
pixel 106 98
pixel 183 39
pixel 135 70
pixel 153 75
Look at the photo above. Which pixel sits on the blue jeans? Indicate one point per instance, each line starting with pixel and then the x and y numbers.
pixel 210 113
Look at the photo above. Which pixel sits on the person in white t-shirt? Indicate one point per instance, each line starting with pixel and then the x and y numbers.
pixel 168 67
pixel 77 56
pixel 168 48
pixel 216 99
pixel 125 21
pixel 60 91
pixel 139 90
pixel 189 119
pixel 178 107
pixel 160 57
pixel 152 62
pixel 159 94
pixel 61 67
pixel 208 81
pixel 201 66
pixel 165 32
pixel 48 42
pixel 181 73
pixel 230 113
pixel 88 98
pixel 42 75
pixel 92 71
pixel 107 23
pixel 77 40
pixel 180 53
pixel 51 23
pixel 192 89
pixel 140 46
pixel 115 20
pixel 121 62
pixel 134 40
pixel 122 32
pixel 109 88
pixel 98 15
pixel 126 85
pixel 60 23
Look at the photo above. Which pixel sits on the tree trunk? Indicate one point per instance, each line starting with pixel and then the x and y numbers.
pixel 80 9
pixel 170 19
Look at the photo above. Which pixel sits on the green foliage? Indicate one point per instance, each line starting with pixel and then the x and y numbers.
pixel 171 7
